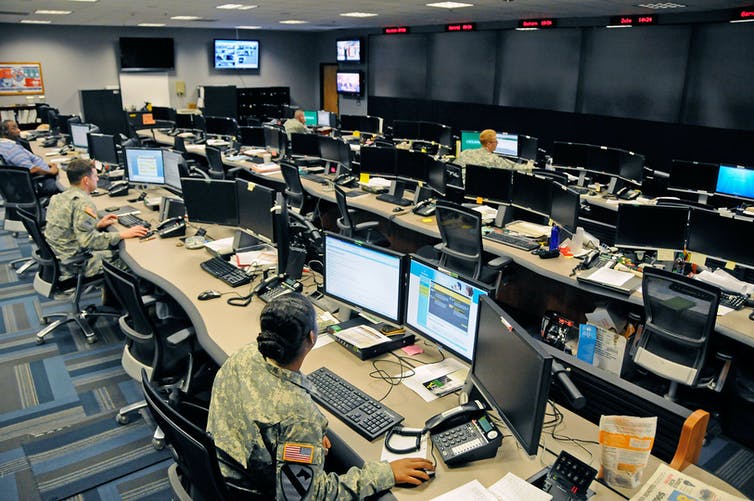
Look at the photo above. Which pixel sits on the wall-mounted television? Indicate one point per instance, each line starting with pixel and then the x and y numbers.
pixel 349 83
pixel 348 50
pixel 146 54
pixel 236 54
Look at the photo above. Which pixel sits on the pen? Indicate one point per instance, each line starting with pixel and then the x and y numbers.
pixel 506 324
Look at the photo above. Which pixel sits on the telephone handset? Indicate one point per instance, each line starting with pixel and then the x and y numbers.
pixel 173 227
pixel 118 189
pixel 627 193
pixel 464 433
pixel 424 208
pixel 275 286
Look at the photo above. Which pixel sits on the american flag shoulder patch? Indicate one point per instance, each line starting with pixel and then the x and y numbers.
pixel 298 453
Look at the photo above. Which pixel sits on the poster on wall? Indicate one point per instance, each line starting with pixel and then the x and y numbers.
pixel 21 78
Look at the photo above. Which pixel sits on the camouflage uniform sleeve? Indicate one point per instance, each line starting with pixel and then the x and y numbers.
pixel 300 459
pixel 85 228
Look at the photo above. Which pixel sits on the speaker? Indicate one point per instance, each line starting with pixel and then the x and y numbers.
pixel 295 265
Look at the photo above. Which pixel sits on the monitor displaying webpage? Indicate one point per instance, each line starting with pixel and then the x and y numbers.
pixel 145 165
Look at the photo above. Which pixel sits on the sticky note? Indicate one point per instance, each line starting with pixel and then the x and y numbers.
pixel 729 265
pixel 364 178
pixel 413 349
pixel 665 255
pixel 698 258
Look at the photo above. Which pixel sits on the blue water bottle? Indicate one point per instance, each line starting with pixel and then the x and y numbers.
pixel 554 237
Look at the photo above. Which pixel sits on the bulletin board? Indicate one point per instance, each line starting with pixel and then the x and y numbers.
pixel 21 78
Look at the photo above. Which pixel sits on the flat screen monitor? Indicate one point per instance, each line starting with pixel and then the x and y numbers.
pixel 252 136
pixel 236 54
pixel 651 226
pixel 507 144
pixel 630 165
pixel 331 149
pixel 504 353
pixel 695 177
pixel 406 129
pixel 144 165
pixel 255 203
pixel 412 165
pixel 275 139
pixel 603 160
pixel 310 118
pixel 362 123
pixel 438 177
pixel 532 192
pixel 146 54
pixel 364 276
pixel 221 126
pixel 163 113
pixel 442 306
pixel 721 237
pixel 172 161
pixel 567 154
pixel 326 119
pixel 305 145
pixel 78 135
pixel 527 147
pixel 102 147
pixel 210 201
pixel 378 161
pixel 348 50
pixel 489 183
pixel 469 140
pixel 437 133
pixel 184 121
pixel 565 207
pixel 349 83
pixel 736 181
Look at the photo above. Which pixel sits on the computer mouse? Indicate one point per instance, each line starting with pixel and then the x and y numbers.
pixel 208 294
pixel 398 209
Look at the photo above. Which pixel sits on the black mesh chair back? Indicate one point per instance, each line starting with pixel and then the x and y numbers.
pixel 179 144
pixel 461 232
pixel 215 162
pixel 17 189
pixel 345 223
pixel 680 318
pixel 294 190
pixel 49 266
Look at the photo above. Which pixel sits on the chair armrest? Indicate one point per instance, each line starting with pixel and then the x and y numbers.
pixel 76 259
pixel 500 262
pixel 233 170
pixel 149 299
pixel 197 172
pixel 181 336
pixel 366 225
pixel 691 440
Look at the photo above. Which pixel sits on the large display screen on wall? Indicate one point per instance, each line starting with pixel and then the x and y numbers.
pixel 146 54
pixel 236 54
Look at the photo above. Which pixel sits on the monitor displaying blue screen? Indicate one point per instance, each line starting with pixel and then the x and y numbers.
pixel 144 165
pixel 507 144
pixel 310 116
pixel 469 140
pixel 736 181
pixel 443 307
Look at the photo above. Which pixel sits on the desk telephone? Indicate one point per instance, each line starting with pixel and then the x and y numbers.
pixel 627 193
pixel 118 189
pixel 173 227
pixel 424 208
pixel 464 433
pixel 276 286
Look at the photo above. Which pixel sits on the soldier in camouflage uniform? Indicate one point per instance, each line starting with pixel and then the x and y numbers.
pixel 73 226
pixel 262 416
pixel 485 156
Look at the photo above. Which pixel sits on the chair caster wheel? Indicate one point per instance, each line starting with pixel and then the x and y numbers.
pixel 44 320
pixel 40 340
pixel 122 418
pixel 91 339
pixel 158 444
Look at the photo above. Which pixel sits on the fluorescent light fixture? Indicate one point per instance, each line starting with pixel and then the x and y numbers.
pixel 449 5
pixel 742 21
pixel 52 12
pixel 236 6
pixel 527 29
pixel 248 27
pixel 618 26
pixel 185 18
pixel 358 14
pixel 294 21
pixel 151 25
pixel 248 7
pixel 85 1
pixel 35 21
pixel 662 5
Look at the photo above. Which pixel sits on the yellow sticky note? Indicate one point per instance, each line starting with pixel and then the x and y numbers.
pixel 698 258
pixel 665 255
pixel 364 178
pixel 729 265
pixel 479 200
pixel 427 220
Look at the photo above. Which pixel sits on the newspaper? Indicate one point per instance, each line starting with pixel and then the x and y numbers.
pixel 625 446
pixel 669 484
pixel 361 336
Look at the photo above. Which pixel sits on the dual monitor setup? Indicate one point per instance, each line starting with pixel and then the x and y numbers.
pixel 602 160
pixel 403 166
pixel 458 315
pixel 320 118
pixel 508 145
pixel 704 179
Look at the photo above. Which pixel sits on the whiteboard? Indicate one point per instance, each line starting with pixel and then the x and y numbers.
pixel 137 88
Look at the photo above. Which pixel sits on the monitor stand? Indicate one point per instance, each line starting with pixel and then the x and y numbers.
pixel 395 194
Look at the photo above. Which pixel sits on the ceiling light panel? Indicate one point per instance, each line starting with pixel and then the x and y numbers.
pixel 358 14
pixel 52 12
pixel 661 5
pixel 450 5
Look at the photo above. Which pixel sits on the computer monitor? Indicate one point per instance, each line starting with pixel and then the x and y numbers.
pixel 331 149
pixel 78 135
pixel 406 129
pixel 305 145
pixel 102 147
pixel 326 119
pixel 692 177
pixel 565 207
pixel 603 160
pixel 412 165
pixel 362 123
pixel 255 203
pixel 252 136
pixel 488 183
pixel 437 133
pixel 144 166
pixel 221 126
pixel 163 113
pixel 512 372
pixel 532 192
pixel 566 154
pixel 442 306
pixel 630 165
pixel 469 140
pixel 184 121
pixel 364 276
pixel 651 226
pixel 378 161
pixel 527 147
pixel 275 139
pixel 210 201
pixel 735 180
pixel 310 118
pixel 721 237
pixel 507 144
pixel 438 177
pixel 171 162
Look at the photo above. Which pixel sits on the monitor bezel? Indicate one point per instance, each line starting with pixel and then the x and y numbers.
pixel 676 164
pixel 128 166
pixel 208 182
pixel 530 209
pixel 642 207
pixel 358 93
pixel 236 68
pixel 240 188
pixel 81 125
pixel 345 59
pixel 733 167
pixel 489 171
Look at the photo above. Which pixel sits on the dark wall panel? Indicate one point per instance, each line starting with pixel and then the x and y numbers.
pixel 462 66
pixel 398 65
pixel 721 77
pixel 539 69
pixel 635 72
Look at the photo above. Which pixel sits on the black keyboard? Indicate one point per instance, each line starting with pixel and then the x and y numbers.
pixel 735 301
pixel 222 269
pixel 129 220
pixel 522 243
pixel 387 197
pixel 359 411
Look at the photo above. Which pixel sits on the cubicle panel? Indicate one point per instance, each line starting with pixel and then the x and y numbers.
pixel 462 67
pixel 635 72
pixel 719 82
pixel 539 69
pixel 398 66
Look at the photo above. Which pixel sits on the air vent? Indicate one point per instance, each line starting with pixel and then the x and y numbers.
pixel 11 13
pixel 661 5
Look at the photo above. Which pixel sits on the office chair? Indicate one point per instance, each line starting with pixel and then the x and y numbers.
pixel 461 248
pixel 366 230
pixel 196 474
pixel 47 283
pixel 18 191
pixel 215 162
pixel 295 195
pixel 680 318
pixel 163 349
pixel 188 167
